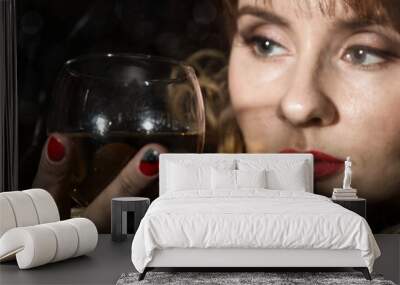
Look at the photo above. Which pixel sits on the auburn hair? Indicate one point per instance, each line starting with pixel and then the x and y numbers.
pixel 387 11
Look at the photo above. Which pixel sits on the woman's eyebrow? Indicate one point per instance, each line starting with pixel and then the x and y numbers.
pixel 358 23
pixel 263 14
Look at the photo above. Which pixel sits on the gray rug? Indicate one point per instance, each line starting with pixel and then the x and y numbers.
pixel 229 278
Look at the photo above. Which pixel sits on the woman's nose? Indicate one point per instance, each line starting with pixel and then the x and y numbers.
pixel 304 103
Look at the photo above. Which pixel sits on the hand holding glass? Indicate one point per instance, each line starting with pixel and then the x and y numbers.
pixel 111 105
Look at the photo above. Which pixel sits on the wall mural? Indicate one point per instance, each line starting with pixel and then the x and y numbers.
pixel 270 77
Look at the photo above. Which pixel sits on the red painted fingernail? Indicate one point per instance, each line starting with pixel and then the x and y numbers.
pixel 149 163
pixel 55 149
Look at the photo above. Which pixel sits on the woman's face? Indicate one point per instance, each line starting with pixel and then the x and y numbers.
pixel 304 81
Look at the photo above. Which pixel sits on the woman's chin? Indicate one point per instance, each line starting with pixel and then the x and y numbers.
pixel 325 186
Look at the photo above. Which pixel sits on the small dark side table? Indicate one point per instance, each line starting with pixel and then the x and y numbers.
pixel 120 207
pixel 358 206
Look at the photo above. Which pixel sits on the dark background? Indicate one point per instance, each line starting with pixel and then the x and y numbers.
pixel 52 31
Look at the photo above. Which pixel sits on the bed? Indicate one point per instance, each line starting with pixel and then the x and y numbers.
pixel 247 211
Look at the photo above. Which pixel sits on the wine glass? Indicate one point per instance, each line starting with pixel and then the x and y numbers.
pixel 110 105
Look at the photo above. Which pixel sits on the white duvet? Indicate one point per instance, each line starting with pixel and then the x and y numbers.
pixel 250 218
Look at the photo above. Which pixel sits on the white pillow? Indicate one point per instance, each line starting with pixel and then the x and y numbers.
pixel 251 178
pixel 291 179
pixel 181 177
pixel 203 161
pixel 290 175
pixel 223 179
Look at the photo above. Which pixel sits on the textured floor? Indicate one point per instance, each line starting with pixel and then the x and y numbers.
pixel 225 278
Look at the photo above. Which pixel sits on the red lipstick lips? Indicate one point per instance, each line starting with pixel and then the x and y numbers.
pixel 325 165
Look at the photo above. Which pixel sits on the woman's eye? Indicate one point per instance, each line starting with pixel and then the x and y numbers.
pixel 266 47
pixel 363 56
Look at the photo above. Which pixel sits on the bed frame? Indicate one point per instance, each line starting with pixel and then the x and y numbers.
pixel 242 259
pixel 246 258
